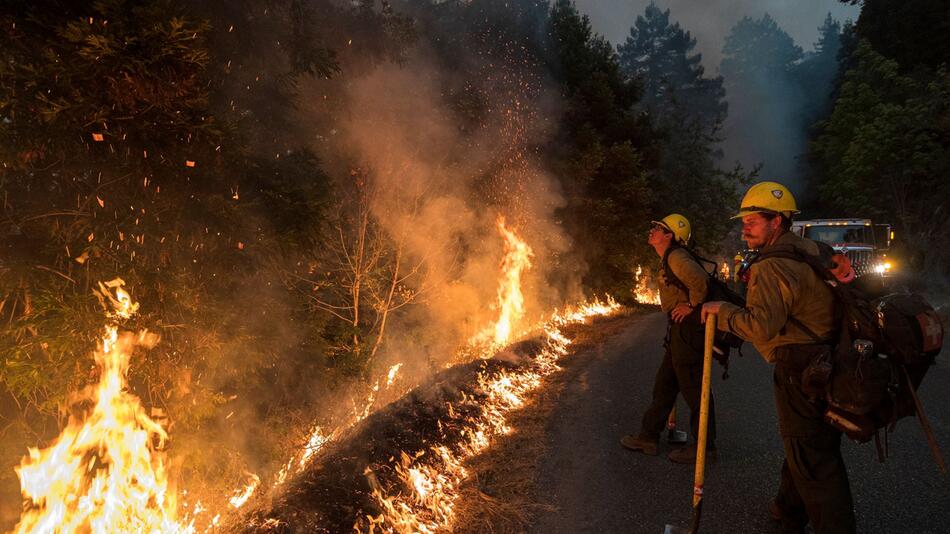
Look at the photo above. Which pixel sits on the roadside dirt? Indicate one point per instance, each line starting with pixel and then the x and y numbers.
pixel 502 493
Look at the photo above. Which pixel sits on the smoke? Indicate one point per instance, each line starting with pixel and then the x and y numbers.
pixel 765 126
pixel 438 177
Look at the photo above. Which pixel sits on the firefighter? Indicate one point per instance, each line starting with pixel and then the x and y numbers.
pixel 683 287
pixel 789 314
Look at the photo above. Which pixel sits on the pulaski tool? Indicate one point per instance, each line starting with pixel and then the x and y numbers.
pixel 673 436
pixel 700 475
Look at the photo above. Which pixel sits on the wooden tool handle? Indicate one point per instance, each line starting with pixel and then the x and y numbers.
pixel 704 411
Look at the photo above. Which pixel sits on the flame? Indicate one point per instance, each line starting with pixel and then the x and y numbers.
pixel 105 472
pixel 316 442
pixel 393 371
pixel 431 482
pixel 319 437
pixel 242 496
pixel 510 298
pixel 724 271
pixel 644 292
pixel 511 311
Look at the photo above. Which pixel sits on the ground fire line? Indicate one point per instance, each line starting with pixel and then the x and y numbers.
pixel 400 469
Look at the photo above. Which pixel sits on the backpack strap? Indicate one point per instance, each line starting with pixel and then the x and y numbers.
pixel 668 273
pixel 811 333
pixel 701 260
pixel 672 278
pixel 790 252
pixel 817 262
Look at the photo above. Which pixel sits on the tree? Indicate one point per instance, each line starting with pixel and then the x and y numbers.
pixel 364 275
pixel 884 153
pixel 117 162
pixel 818 69
pixel 661 56
pixel 817 78
pixel 687 110
pixel 604 157
pixel 758 48
pixel 913 32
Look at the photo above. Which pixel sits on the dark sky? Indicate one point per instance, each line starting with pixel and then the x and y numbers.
pixel 709 21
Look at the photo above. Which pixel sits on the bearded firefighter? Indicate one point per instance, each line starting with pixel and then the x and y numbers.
pixel 789 318
pixel 683 287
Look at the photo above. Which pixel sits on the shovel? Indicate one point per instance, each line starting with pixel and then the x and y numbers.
pixel 701 439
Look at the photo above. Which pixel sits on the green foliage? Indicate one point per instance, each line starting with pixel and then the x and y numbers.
pixel 687 111
pixel 884 152
pixel 604 157
pixel 912 32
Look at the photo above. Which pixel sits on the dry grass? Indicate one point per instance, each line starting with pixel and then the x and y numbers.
pixel 501 495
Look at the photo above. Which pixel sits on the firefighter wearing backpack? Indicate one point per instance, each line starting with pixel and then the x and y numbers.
pixel 788 310
pixel 683 287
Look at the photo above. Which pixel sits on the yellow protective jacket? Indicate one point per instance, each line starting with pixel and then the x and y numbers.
pixel 779 288
pixel 690 273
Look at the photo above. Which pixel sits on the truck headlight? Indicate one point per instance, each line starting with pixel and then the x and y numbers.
pixel 883 268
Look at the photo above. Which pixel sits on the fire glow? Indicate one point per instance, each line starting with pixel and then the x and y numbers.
pixel 105 472
pixel 431 480
pixel 510 298
pixel 645 292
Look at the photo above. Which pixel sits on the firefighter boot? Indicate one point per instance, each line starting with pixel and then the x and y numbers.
pixel 639 444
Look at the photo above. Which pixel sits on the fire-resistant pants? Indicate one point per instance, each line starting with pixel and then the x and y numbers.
pixel 814 482
pixel 680 372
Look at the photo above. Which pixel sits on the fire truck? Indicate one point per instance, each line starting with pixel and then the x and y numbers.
pixel 864 243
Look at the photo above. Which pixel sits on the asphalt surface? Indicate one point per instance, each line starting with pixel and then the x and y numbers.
pixel 597 486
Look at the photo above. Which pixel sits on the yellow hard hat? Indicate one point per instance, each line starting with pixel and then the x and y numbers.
pixel 767 197
pixel 677 224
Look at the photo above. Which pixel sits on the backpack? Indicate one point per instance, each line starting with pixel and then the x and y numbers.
pixel 716 289
pixel 886 344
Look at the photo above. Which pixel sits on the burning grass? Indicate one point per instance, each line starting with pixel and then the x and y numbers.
pixel 405 467
pixel 335 492
pixel 501 494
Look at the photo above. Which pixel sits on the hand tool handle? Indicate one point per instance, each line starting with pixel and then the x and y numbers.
pixel 704 411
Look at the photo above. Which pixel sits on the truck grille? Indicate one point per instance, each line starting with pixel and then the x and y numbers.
pixel 861 261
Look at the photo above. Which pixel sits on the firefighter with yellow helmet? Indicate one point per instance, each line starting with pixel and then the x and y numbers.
pixel 789 318
pixel 683 287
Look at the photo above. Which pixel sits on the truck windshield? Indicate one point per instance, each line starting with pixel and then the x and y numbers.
pixel 839 234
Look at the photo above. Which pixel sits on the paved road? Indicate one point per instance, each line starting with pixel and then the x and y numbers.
pixel 597 486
